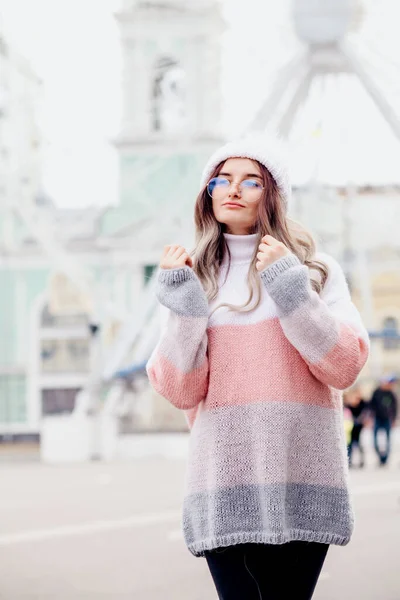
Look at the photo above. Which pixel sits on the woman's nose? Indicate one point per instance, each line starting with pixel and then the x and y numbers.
pixel 234 189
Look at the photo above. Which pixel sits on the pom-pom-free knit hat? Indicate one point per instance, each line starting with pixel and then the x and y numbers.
pixel 267 150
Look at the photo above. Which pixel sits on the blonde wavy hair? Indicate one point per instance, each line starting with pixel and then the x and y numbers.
pixel 211 247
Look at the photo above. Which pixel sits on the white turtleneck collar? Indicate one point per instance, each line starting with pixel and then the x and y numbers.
pixel 241 247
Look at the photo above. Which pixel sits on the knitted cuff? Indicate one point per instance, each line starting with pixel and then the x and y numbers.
pixel 180 290
pixel 278 267
pixel 171 276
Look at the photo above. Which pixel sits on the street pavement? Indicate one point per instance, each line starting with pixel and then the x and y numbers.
pixel 112 531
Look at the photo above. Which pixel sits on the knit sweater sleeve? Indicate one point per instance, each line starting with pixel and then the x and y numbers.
pixel 325 329
pixel 178 366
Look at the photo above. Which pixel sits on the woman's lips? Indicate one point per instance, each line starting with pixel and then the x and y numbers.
pixel 233 205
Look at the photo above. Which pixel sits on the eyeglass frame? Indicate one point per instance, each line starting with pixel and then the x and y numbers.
pixel 231 182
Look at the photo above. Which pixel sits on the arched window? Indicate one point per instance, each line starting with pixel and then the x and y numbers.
pixel 168 96
pixel 391 331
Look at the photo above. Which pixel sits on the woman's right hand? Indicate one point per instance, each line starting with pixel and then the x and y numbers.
pixel 174 257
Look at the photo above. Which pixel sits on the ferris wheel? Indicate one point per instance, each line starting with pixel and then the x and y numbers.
pixel 342 82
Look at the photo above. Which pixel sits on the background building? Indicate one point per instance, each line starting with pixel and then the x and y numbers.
pixel 78 316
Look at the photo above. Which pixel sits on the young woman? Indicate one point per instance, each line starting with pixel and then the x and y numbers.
pixel 261 336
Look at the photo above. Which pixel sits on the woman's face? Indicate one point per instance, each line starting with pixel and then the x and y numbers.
pixel 235 204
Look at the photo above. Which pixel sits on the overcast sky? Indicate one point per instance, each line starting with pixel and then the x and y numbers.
pixel 73 46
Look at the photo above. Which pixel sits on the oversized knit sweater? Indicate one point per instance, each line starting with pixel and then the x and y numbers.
pixel 267 455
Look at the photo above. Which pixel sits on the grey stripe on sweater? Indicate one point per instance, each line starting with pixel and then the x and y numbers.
pixel 274 514
pixel 180 290
pixel 287 282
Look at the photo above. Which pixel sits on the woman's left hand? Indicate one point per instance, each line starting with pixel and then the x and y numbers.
pixel 269 251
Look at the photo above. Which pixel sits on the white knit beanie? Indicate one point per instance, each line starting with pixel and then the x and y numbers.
pixel 267 150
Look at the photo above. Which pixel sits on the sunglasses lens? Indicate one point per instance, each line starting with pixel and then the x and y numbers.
pixel 217 184
pixel 251 184
pixel 250 189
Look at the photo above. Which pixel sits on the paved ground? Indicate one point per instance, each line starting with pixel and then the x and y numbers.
pixel 111 532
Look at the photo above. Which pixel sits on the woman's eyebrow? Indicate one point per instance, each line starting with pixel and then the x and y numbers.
pixel 247 175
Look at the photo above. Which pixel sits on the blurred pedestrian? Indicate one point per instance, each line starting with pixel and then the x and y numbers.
pixel 261 336
pixel 347 424
pixel 383 407
pixel 358 408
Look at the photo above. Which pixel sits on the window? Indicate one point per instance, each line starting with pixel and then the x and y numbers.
pixel 67 320
pixel 148 272
pixel 58 401
pixel 168 96
pixel 391 339
pixel 12 398
pixel 65 355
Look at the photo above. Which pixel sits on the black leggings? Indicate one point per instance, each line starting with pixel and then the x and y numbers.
pixel 267 572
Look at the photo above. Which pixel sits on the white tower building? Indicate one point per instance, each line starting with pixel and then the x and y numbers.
pixel 171 112
pixel 170 57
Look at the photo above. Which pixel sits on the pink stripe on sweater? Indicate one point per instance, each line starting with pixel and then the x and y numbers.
pixel 249 363
pixel 342 365
pixel 183 390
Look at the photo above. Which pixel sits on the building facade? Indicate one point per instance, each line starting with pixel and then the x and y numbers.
pixel 64 274
pixel 72 280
